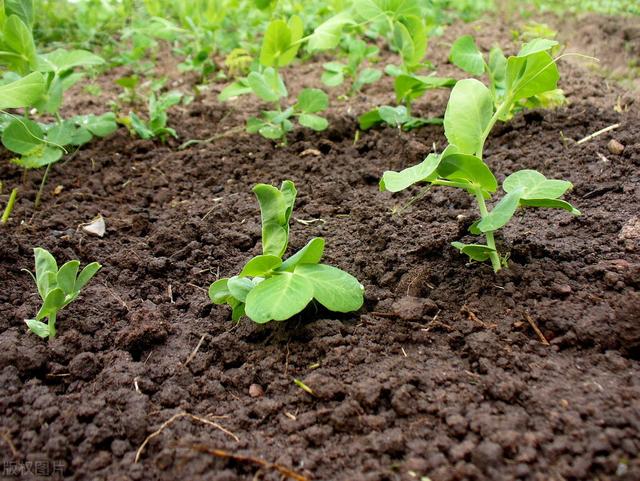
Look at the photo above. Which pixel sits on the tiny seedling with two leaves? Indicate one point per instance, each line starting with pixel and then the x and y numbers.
pixel 271 288
pixel 472 111
pixel 358 51
pixel 279 47
pixel 58 287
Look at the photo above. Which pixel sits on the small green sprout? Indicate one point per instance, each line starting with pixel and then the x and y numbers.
pixel 269 288
pixel 156 126
pixel 335 72
pixel 57 289
pixel 471 113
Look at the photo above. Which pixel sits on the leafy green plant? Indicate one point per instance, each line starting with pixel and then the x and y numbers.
pixel 466 55
pixel 358 51
pixel 57 287
pixel 269 288
pixel 156 126
pixel 472 111
pixel 279 48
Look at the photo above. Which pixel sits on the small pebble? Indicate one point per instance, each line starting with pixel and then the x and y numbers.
pixel 255 390
pixel 615 147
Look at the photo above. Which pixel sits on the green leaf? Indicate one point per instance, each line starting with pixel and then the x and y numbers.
pixel 309 254
pixel 468 114
pixel 410 87
pixel 21 8
pixel 537 45
pixel 501 214
pixel 367 76
pixel 311 101
pixel 466 55
pixel 22 93
pixel 17 38
pixel 498 70
pixel 237 311
pixel 45 264
pixel 61 134
pixel 281 42
pixel 60 60
pixel 260 266
pixel 22 136
pixel 261 88
pixel 333 74
pixel 53 302
pixel 98 125
pixel 39 328
pixel 335 289
pixel 394 116
pixel 278 298
pixel 531 75
pixel 87 273
pixel 468 168
pixel 369 119
pixel 66 277
pixel 424 171
pixel 273 132
pixel 40 156
pixel 535 185
pixel 313 121
pixel 328 34
pixel 410 38
pixel 219 292
pixel 375 9
pixel 551 204
pixel 235 89
pixel 239 287
pixel 275 211
pixel 476 252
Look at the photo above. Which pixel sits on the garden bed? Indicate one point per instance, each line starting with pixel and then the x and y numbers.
pixel 441 374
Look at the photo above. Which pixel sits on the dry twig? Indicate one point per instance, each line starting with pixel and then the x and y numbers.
pixel 535 327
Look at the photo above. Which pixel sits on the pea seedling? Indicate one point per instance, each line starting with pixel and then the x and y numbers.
pixel 470 115
pixel 269 288
pixel 335 72
pixel 57 289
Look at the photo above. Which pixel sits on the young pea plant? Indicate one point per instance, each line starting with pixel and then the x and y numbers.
pixel 471 113
pixel 466 55
pixel 269 288
pixel 58 287
pixel 156 126
pixel 279 48
pixel 358 51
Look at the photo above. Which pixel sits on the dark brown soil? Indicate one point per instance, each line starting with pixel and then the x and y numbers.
pixel 440 375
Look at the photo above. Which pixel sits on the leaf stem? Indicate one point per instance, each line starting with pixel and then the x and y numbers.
pixel 52 326
pixel 505 105
pixel 42 184
pixel 495 258
pixel 9 208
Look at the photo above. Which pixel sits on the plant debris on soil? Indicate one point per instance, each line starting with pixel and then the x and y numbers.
pixel 448 373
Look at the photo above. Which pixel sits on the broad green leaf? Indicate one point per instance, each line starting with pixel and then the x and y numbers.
pixel 275 227
pixel 369 119
pixel 99 125
pixel 498 71
pixel 531 75
pixel 335 289
pixel 22 136
pixel 17 37
pixel 466 55
pixel 280 43
pixel 60 60
pixel 468 168
pixel 279 298
pixel 311 101
pixel 537 45
pixel 39 328
pixel 367 76
pixel 239 287
pixel 535 185
pixel 501 214
pixel 237 311
pixel 468 114
pixel 397 181
pixel 476 252
pixel 260 266
pixel 81 136
pixel 332 75
pixel 410 87
pixel 551 204
pixel 273 132
pixel 394 116
pixel 261 88
pixel 313 121
pixel 328 34
pixel 66 277
pixel 376 9
pixel 410 38
pixel 61 134
pixel 53 302
pixel 52 99
pixel 87 273
pixel 21 8
pixel 40 156
pixel 22 93
pixel 309 254
pixel 219 292
pixel 235 89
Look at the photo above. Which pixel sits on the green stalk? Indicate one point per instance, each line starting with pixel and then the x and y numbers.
pixel 9 208
pixel 491 243
pixel 42 184
pixel 52 326
pixel 504 106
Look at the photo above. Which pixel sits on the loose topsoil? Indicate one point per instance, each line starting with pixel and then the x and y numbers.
pixel 440 375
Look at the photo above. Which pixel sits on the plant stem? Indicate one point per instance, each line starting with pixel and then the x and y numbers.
pixel 9 208
pixel 505 105
pixel 42 184
pixel 52 326
pixel 491 243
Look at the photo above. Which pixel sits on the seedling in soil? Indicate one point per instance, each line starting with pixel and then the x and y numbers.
pixel 57 289
pixel 156 126
pixel 471 113
pixel 269 288
pixel 279 47
pixel 336 72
